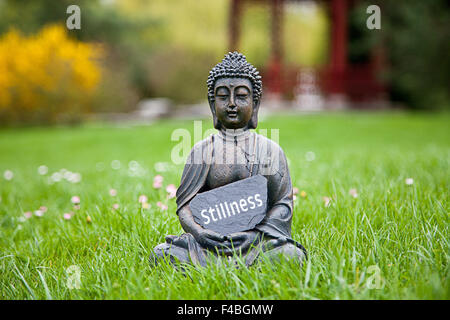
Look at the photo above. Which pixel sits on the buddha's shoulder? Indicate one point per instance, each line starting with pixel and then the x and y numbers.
pixel 200 145
pixel 263 140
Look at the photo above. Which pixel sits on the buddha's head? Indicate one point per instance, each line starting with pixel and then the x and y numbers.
pixel 234 93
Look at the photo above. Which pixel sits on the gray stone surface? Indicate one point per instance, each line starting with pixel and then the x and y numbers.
pixel 235 207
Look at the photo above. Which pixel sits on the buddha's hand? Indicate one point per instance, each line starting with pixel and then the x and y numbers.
pixel 208 238
pixel 243 240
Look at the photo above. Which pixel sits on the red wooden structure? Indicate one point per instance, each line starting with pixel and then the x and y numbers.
pixel 357 82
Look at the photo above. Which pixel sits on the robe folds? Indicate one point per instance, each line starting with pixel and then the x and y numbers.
pixel 267 159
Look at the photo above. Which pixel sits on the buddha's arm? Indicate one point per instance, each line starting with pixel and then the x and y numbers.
pixel 277 223
pixel 187 220
pixel 279 212
pixel 205 237
pixel 243 240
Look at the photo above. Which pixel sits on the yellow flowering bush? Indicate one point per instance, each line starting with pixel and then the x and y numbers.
pixel 46 77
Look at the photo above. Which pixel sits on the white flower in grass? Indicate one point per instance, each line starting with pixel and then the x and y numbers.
pixel 327 201
pixel 353 193
pixel 67 216
pixel 43 208
pixel 56 177
pixel 143 198
pixel 115 164
pixel 43 170
pixel 75 200
pixel 76 177
pixel 115 206
pixel 67 175
pixel 39 213
pixel 112 192
pixel 409 181
pixel 8 175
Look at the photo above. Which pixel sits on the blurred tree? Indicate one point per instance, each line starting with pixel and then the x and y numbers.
pixel 415 34
pixel 196 25
pixel 100 22
pixel 180 74
pixel 47 77
pixel 187 37
pixel 362 39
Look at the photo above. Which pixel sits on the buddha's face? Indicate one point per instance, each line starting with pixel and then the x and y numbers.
pixel 233 102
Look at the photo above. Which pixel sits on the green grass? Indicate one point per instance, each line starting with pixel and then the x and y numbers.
pixel 394 230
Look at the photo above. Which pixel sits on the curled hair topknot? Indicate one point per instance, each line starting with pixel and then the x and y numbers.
pixel 235 65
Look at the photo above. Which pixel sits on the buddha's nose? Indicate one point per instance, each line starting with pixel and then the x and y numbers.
pixel 232 103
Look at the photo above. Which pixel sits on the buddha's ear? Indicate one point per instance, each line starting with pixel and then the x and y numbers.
pixel 212 106
pixel 254 119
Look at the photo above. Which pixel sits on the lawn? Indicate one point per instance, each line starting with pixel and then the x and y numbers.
pixel 382 231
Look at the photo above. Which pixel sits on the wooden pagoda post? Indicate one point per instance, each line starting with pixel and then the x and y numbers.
pixel 234 24
pixel 276 55
pixel 339 38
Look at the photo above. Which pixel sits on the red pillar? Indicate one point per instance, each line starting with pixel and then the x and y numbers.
pixel 234 24
pixel 338 59
pixel 275 63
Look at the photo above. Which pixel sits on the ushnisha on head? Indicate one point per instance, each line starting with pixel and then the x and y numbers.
pixel 234 93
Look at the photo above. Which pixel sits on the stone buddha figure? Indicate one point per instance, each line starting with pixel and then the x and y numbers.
pixel 233 154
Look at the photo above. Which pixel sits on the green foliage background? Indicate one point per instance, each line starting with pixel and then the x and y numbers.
pixel 166 48
pixel 188 37
pixel 414 35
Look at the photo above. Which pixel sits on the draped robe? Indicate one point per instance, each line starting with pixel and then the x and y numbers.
pixel 206 168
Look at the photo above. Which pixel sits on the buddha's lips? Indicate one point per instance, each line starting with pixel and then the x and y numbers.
pixel 232 114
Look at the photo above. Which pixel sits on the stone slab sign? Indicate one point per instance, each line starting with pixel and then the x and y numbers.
pixel 235 207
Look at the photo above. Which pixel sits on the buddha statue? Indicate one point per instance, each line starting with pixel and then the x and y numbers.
pixel 234 153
